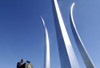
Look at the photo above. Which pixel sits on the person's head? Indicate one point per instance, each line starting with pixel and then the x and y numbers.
pixel 22 60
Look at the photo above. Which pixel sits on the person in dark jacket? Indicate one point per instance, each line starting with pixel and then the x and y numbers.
pixel 19 64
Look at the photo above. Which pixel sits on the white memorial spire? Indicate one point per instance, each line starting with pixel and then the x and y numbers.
pixel 47 54
pixel 88 62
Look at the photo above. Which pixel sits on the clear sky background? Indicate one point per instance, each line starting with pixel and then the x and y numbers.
pixel 22 33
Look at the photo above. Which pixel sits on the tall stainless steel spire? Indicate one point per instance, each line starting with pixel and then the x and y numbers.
pixel 47 54
pixel 66 53
pixel 80 45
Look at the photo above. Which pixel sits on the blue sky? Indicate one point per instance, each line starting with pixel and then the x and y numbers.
pixel 22 33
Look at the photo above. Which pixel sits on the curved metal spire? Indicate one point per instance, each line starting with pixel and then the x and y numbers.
pixel 66 52
pixel 79 42
pixel 47 56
